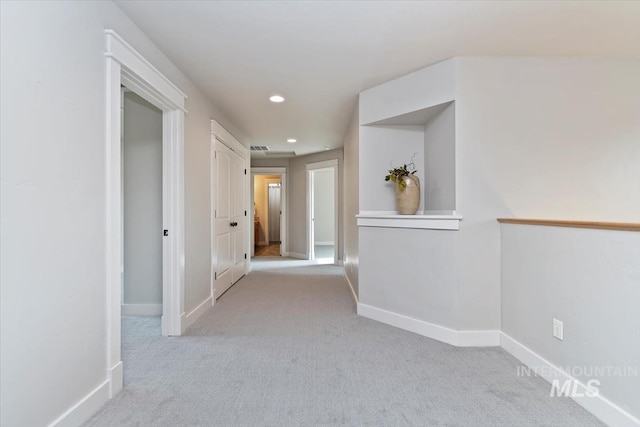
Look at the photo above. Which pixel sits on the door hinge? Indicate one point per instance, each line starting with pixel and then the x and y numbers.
pixel 245 256
pixel 215 275
pixel 245 213
pixel 245 171
pixel 165 233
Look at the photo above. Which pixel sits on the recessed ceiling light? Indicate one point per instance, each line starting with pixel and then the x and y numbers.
pixel 276 98
pixel 291 140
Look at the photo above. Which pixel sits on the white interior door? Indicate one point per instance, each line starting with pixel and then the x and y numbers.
pixel 230 216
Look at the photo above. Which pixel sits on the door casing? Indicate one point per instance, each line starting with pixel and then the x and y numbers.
pixel 125 66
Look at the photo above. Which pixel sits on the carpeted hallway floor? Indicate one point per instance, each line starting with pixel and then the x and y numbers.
pixel 284 347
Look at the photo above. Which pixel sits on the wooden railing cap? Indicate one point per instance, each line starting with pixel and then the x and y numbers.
pixel 621 226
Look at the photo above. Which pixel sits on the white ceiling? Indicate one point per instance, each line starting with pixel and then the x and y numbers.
pixel 321 54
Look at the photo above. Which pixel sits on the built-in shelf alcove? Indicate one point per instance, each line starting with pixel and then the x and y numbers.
pixel 427 138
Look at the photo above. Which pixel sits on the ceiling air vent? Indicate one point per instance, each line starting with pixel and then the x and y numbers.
pixel 259 148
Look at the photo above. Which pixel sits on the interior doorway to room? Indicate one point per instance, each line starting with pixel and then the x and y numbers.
pixel 267 219
pixel 269 194
pixel 322 220
pixel 126 67
pixel 142 204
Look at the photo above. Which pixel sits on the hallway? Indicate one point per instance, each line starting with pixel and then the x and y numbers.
pixel 284 347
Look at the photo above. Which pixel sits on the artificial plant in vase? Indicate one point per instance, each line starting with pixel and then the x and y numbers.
pixel 407 186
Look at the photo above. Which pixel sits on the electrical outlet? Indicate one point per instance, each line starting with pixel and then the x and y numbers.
pixel 558 329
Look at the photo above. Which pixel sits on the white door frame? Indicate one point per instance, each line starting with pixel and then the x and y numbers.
pixel 311 167
pixel 282 173
pixel 125 66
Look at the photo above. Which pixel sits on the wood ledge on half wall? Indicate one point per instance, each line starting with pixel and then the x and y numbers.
pixel 620 226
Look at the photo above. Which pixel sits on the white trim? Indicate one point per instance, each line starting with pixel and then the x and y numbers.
pixel 229 140
pixel 198 311
pixel 141 309
pixel 85 408
pixel 115 376
pixel 433 222
pixel 602 408
pixel 353 292
pixel 268 171
pixel 487 338
pixel 124 64
pixel 173 218
pixel 113 217
pixel 333 163
pixel 143 75
pixel 310 207
pixel 430 212
pixel 297 255
pixel 324 243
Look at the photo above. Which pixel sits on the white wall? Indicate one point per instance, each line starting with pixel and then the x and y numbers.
pixel 53 289
pixel 552 138
pixel 539 138
pixel 588 279
pixel 429 86
pixel 142 207
pixel 387 147
pixel 410 272
pixel 546 138
pixel 324 207
pixel 351 199
pixel 439 185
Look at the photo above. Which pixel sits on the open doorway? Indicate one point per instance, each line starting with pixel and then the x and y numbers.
pixel 267 202
pixel 142 258
pixel 322 211
pixel 268 188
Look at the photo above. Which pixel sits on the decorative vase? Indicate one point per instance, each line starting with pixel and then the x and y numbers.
pixel 408 197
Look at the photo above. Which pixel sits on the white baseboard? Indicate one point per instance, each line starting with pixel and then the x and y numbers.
pixel 182 321
pixel 353 292
pixel 605 410
pixel 297 255
pixel 85 408
pixel 142 309
pixel 450 336
pixel 322 243
pixel 197 312
pixel 115 376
